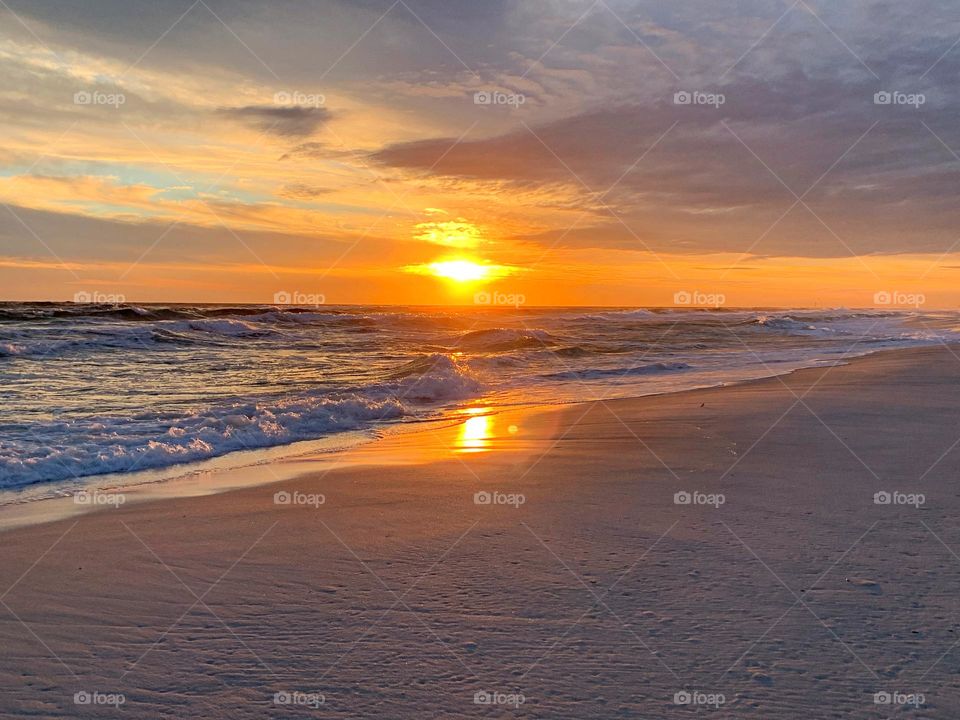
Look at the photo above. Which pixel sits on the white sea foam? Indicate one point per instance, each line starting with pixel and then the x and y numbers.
pixel 119 444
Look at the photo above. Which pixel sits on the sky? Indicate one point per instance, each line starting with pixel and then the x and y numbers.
pixel 544 152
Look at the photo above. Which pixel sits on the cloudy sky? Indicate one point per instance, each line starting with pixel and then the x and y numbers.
pixel 614 152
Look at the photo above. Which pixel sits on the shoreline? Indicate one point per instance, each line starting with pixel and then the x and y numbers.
pixel 177 423
pixel 269 465
pixel 206 478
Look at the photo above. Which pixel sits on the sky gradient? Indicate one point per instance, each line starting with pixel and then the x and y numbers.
pixel 584 153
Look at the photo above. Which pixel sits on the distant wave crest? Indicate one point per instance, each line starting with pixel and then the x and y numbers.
pixel 501 339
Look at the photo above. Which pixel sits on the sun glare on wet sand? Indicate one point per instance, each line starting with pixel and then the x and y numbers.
pixel 476 433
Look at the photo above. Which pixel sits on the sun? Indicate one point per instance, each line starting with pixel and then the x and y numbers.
pixel 460 270
pixel 463 270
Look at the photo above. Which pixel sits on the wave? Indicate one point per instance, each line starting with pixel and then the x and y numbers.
pixel 52 342
pixel 148 313
pixel 638 314
pixel 827 325
pixel 502 339
pixel 310 317
pixel 93 311
pixel 230 328
pixel 586 349
pixel 120 337
pixel 781 323
pixel 630 371
pixel 572 351
pixel 45 346
pixel 150 440
pixel 107 445
pixel 434 378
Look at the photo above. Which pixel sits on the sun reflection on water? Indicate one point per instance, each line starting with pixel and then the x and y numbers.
pixel 476 433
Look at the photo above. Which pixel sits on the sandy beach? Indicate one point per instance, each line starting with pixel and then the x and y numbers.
pixel 781 548
pixel 415 360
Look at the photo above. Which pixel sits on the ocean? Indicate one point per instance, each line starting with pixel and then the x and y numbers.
pixel 87 390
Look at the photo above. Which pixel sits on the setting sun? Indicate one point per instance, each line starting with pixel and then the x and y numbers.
pixel 460 270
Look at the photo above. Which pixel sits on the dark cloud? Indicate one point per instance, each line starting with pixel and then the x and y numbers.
pixel 281 121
